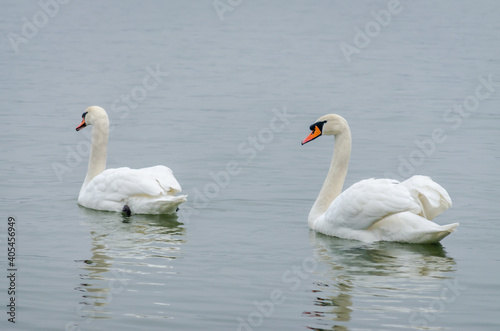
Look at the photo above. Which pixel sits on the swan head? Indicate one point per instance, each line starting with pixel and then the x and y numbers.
pixel 331 125
pixel 92 115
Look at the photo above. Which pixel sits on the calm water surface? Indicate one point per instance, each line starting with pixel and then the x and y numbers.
pixel 240 94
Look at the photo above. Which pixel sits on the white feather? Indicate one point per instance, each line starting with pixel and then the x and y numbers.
pixel 145 191
pixel 375 209
pixel 387 210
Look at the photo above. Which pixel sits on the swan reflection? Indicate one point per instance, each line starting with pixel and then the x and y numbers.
pixel 370 285
pixel 126 250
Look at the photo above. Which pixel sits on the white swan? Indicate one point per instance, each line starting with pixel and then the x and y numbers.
pixel 139 191
pixel 374 209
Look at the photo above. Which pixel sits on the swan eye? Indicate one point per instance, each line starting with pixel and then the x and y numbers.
pixel 83 115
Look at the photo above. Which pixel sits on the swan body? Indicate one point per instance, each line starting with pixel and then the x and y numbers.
pixel 152 190
pixel 374 209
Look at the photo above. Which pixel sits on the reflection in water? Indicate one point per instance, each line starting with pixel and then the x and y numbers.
pixel 122 249
pixel 384 284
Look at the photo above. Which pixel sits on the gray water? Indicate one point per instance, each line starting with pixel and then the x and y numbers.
pixel 239 255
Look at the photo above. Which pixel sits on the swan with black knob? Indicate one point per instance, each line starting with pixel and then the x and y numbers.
pixel 374 209
pixel 152 190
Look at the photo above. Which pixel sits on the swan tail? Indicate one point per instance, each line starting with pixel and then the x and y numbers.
pixel 165 204
pixel 432 197
pixel 434 236
pixel 407 227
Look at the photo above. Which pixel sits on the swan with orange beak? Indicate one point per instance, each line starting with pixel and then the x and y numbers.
pixel 152 190
pixel 374 209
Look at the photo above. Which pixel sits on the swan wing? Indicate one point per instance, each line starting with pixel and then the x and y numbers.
pixel 113 188
pixel 164 177
pixel 368 201
pixel 431 196
pixel 152 181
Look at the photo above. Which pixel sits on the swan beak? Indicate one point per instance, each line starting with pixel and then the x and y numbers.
pixel 314 134
pixel 82 125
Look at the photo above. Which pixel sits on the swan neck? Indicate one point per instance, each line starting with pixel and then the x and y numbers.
pixel 334 182
pixel 98 151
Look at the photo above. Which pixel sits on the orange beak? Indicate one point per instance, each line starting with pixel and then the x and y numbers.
pixel 313 135
pixel 82 125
